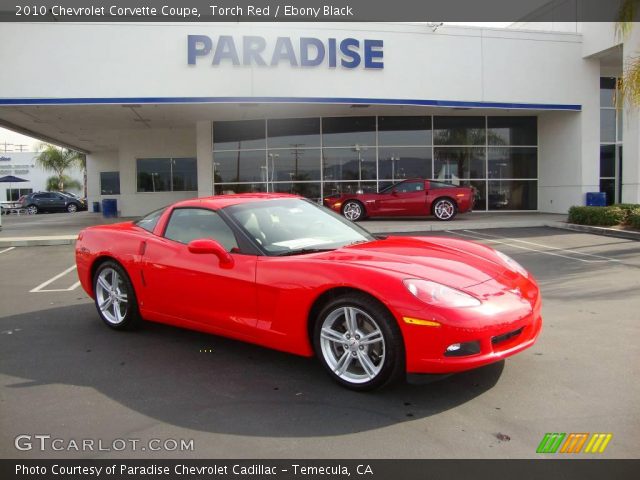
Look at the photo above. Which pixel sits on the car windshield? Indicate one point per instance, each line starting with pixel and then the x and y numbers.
pixel 295 226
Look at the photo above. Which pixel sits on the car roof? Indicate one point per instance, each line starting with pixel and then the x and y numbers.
pixel 218 202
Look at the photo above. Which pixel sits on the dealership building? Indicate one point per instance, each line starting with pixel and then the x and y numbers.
pixel 173 111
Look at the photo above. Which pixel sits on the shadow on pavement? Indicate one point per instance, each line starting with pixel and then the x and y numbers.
pixel 239 389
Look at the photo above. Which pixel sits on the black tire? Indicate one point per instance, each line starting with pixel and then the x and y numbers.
pixel 385 356
pixel 353 210
pixel 444 209
pixel 32 209
pixel 127 316
pixel 72 208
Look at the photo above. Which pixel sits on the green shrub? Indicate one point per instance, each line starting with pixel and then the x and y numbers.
pixel 634 219
pixel 602 216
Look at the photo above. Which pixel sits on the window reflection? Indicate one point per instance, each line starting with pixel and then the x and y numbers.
pixel 404 131
pixel 348 131
pixel 517 162
pixel 357 163
pixel 459 162
pixel 459 131
pixel 513 195
pixel 401 163
pixel 239 135
pixel 294 133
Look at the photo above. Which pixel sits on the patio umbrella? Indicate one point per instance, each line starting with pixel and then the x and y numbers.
pixel 11 179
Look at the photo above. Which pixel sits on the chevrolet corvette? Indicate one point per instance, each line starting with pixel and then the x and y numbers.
pixel 279 271
pixel 414 197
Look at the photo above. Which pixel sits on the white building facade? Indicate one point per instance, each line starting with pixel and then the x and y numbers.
pixel 173 111
pixel 23 166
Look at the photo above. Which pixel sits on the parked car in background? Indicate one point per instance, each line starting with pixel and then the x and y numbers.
pixel 81 200
pixel 51 202
pixel 413 197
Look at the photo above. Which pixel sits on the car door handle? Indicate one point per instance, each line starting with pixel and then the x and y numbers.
pixel 142 248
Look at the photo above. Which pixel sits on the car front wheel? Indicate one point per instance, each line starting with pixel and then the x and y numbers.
pixel 359 343
pixel 444 209
pixel 72 208
pixel 353 211
pixel 32 209
pixel 114 297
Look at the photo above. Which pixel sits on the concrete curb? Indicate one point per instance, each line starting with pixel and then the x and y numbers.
pixel 609 232
pixel 43 241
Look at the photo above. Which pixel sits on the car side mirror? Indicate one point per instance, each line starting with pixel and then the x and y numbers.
pixel 394 193
pixel 207 245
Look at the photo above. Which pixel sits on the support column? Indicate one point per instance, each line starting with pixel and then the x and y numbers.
pixel 204 153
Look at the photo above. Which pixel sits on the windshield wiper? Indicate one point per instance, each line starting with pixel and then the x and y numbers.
pixel 302 251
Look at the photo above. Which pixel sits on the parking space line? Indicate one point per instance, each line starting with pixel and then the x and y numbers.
pixel 40 288
pixel 7 249
pixel 457 232
pixel 545 246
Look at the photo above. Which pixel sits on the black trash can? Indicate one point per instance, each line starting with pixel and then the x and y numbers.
pixel 109 208
pixel 96 207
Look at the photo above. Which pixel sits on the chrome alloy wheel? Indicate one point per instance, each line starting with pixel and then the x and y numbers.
pixel 352 211
pixel 444 209
pixel 111 295
pixel 352 344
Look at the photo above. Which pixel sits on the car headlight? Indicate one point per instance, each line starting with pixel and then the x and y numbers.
pixel 512 264
pixel 440 295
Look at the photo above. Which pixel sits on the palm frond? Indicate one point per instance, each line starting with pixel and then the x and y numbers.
pixel 629 84
pixel 626 16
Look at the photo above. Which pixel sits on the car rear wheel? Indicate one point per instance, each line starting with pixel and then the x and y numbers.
pixel 114 297
pixel 353 211
pixel 359 343
pixel 445 209
pixel 32 209
pixel 72 208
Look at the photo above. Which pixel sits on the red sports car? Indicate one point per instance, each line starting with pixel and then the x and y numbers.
pixel 284 273
pixel 409 198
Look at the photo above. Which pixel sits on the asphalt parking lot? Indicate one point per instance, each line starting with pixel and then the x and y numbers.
pixel 64 374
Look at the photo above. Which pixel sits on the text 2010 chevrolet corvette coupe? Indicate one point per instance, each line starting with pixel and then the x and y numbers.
pixel 279 271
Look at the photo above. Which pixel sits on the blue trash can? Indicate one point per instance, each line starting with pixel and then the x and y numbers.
pixel 596 199
pixel 109 208
pixel 96 207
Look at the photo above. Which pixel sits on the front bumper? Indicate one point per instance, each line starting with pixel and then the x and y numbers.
pixel 501 328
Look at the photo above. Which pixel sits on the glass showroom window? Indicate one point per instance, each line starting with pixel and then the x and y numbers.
pixel 167 174
pixel 610 141
pixel 109 183
pixel 316 157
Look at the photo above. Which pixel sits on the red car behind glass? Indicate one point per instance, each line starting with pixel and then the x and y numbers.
pixel 279 271
pixel 409 198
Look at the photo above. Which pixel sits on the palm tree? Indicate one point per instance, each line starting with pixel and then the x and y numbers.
pixel 53 183
pixel 57 160
pixel 629 84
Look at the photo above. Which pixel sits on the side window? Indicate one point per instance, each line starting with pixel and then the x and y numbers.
pixel 188 224
pixel 408 187
pixel 149 222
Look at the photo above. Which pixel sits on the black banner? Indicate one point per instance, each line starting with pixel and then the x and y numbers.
pixel 318 469
pixel 309 10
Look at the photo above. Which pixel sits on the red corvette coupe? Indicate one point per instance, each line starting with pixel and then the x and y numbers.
pixel 409 198
pixel 282 272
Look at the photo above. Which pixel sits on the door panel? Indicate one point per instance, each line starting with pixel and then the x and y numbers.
pixel 408 199
pixel 194 288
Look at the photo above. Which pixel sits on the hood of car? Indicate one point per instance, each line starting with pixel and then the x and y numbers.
pixel 451 262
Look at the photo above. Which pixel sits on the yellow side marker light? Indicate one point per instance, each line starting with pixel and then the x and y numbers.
pixel 417 321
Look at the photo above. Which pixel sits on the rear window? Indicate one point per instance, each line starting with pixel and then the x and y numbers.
pixel 149 221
